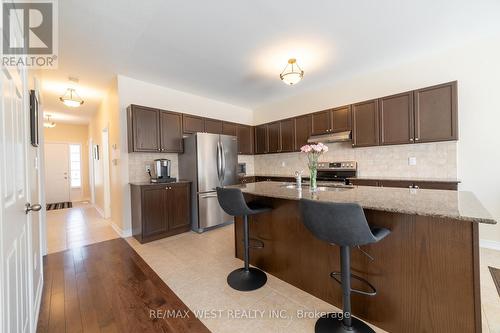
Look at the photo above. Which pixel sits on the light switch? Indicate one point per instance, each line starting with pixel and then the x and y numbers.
pixel 412 161
pixel 283 164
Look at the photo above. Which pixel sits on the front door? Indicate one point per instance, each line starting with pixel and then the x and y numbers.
pixel 56 172
pixel 15 250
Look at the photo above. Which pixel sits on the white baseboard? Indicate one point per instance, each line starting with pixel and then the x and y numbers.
pixel 38 301
pixel 489 244
pixel 99 210
pixel 122 232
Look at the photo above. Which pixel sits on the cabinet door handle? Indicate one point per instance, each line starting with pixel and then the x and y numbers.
pixel 411 139
pixel 416 139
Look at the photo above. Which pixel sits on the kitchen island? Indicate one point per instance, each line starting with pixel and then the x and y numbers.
pixel 426 271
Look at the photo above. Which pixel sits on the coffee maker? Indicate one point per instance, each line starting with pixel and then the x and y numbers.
pixel 162 171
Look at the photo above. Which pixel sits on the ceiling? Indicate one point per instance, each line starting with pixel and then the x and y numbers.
pixel 233 51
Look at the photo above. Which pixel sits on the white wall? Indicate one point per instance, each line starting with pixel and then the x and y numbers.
pixel 476 66
pixel 132 91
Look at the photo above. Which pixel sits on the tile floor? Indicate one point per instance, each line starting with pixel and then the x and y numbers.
pixel 195 267
pixel 77 226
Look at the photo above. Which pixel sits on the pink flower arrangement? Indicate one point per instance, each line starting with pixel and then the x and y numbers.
pixel 318 148
pixel 313 153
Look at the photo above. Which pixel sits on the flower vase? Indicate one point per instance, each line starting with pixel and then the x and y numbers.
pixel 313 169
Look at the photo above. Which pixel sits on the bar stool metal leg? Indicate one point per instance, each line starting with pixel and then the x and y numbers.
pixel 343 322
pixel 246 278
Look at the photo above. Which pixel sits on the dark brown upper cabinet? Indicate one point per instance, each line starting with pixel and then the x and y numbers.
pixel 245 139
pixel 341 119
pixel 171 132
pixel 229 128
pixel 321 123
pixel 332 120
pixel 261 141
pixel 213 126
pixel 366 124
pixel 193 124
pixel 303 130
pixel 287 135
pixel 274 137
pixel 436 116
pixel 396 119
pixel 143 129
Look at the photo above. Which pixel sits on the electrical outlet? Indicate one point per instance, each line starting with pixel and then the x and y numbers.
pixel 148 167
pixel 412 161
pixel 283 164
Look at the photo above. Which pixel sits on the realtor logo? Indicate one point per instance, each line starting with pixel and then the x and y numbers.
pixel 29 33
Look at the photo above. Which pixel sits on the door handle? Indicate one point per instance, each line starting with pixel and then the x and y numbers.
pixel 209 196
pixel 223 168
pixel 30 207
pixel 219 162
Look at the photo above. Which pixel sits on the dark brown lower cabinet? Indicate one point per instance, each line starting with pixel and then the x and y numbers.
pixel 363 182
pixel 430 185
pixel 160 210
pixel 247 179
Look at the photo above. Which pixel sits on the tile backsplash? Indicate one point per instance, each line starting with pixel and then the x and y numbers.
pixel 434 160
pixel 137 165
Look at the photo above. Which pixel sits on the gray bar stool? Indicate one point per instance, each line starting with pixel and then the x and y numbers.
pixel 233 203
pixel 342 224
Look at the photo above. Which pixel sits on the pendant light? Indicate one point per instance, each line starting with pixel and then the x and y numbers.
pixel 292 74
pixel 71 98
pixel 48 123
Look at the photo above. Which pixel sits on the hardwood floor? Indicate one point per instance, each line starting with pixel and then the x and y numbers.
pixel 107 287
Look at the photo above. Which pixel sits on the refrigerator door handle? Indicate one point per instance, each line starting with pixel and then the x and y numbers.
pixel 206 196
pixel 223 169
pixel 219 161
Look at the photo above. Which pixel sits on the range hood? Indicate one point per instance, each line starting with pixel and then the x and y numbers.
pixel 331 137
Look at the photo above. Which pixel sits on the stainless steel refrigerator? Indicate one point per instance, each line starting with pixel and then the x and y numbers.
pixel 208 161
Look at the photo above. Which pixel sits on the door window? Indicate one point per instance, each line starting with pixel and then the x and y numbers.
pixel 75 165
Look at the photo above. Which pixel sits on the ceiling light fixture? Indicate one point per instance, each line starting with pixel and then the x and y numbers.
pixel 292 74
pixel 71 98
pixel 48 123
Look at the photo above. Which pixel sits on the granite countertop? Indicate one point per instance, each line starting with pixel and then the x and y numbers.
pixel 414 179
pixel 162 184
pixel 459 205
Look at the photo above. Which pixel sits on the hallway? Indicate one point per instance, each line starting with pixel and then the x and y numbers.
pixel 75 227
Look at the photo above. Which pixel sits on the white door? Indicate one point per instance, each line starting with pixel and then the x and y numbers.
pixel 57 172
pixel 15 285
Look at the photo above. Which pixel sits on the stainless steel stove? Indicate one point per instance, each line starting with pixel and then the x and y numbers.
pixel 336 173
